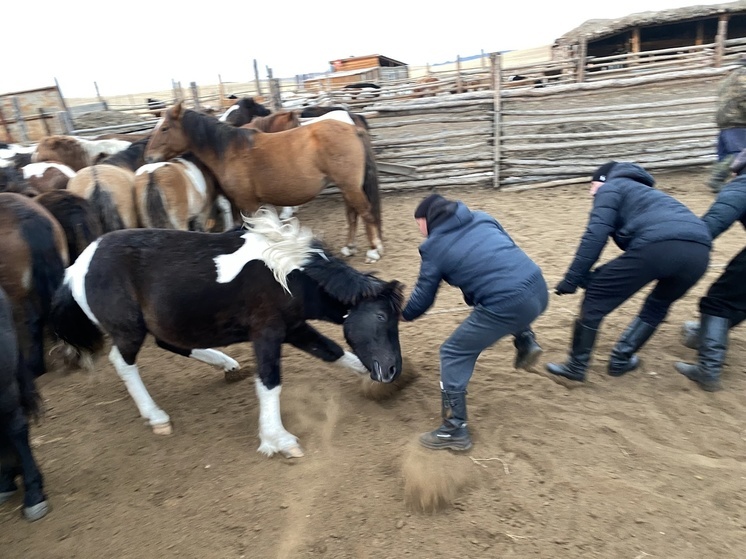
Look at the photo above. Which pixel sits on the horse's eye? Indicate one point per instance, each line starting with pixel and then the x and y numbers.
pixel 382 317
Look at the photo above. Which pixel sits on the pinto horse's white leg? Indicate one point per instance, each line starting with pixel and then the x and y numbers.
pixel 351 361
pixel 226 211
pixel 272 434
pixel 158 419
pixel 216 359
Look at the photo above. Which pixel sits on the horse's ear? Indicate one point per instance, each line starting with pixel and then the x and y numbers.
pixel 177 108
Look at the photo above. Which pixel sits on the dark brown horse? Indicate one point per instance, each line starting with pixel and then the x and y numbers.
pixel 284 168
pixel 33 256
pixel 75 215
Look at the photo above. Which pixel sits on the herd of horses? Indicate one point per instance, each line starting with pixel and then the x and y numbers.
pixel 175 234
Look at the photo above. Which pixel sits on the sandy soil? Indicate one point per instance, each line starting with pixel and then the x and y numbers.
pixel 646 465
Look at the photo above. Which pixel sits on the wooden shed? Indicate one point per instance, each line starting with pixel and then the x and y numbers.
pixel 647 31
pixel 373 68
pixel 27 116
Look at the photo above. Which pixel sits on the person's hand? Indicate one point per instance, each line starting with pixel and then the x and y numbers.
pixel 565 287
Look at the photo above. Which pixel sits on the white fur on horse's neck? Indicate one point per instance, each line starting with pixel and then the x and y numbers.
pixel 94 148
pixel 37 169
pixel 224 116
pixel 283 246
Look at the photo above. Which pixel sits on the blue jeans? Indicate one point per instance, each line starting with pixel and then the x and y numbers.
pixel 481 329
pixel 730 142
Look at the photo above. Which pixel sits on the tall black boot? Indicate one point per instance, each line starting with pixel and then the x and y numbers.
pixel 527 349
pixel 713 346
pixel 453 433
pixel 623 358
pixel 583 340
pixel 690 331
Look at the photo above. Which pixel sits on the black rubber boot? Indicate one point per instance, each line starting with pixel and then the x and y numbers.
pixel 713 346
pixel 527 350
pixel 623 358
pixel 453 433
pixel 583 340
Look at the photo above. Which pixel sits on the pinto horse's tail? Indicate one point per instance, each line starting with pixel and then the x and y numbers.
pixel 155 209
pixel 104 207
pixel 370 182
pixel 73 326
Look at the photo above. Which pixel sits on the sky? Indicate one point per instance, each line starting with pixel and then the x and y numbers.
pixel 139 46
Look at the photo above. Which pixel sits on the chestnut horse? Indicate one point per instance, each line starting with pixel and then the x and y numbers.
pixel 33 256
pixel 74 152
pixel 284 169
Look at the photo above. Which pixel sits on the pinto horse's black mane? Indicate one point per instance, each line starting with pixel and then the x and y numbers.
pixel 130 158
pixel 347 284
pixel 206 130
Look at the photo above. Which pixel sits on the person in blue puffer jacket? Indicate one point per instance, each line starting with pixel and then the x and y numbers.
pixel 724 305
pixel 471 250
pixel 662 241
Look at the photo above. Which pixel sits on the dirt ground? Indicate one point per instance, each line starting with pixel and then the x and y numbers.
pixel 646 465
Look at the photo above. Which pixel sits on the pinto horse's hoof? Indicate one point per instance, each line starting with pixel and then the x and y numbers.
pixel 293 452
pixel 162 429
pixel 348 251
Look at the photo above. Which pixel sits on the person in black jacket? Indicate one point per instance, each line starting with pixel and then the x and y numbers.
pixel 724 305
pixel 662 239
pixel 471 250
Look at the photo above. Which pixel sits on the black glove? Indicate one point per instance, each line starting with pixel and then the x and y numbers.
pixel 590 277
pixel 564 287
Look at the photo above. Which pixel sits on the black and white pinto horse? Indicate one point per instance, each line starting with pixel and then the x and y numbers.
pixel 18 400
pixel 193 291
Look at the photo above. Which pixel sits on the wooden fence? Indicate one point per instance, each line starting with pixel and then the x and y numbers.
pixel 552 126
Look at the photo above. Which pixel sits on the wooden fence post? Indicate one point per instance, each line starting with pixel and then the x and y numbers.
pixel 496 64
pixel 582 55
pixel 720 39
pixel 19 120
pixel 221 90
pixel 4 122
pixel 257 82
pixel 195 95
pixel 458 74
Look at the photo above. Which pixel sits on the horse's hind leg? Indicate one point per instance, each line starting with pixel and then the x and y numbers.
pixel 212 357
pixel 35 504
pixel 35 350
pixel 124 363
pixel 351 247
pixel 308 339
pixel 359 205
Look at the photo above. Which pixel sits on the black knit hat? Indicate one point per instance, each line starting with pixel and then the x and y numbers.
pixel 603 171
pixel 435 209
pixel 426 203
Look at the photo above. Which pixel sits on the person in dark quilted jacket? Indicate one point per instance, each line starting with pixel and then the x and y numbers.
pixel 662 240
pixel 724 305
pixel 472 251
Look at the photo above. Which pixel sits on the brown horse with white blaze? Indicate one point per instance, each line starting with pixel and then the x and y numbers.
pixel 284 168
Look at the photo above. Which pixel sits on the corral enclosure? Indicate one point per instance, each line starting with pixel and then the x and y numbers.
pixel 646 465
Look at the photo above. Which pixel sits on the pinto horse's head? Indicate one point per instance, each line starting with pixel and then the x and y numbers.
pixel 372 330
pixel 168 139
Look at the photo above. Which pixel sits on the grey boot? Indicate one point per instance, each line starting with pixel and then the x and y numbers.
pixel 623 358
pixel 527 350
pixel 713 346
pixel 721 172
pixel 453 433
pixel 583 340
